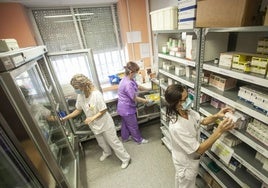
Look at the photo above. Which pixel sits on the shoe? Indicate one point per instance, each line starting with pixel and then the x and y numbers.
pixel 125 164
pixel 144 141
pixel 104 156
pixel 129 138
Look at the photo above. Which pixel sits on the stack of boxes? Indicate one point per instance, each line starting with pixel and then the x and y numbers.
pixel 258 130
pixel 263 160
pixel 249 63
pixel 221 82
pixel 256 96
pixel 262 47
pixel 186 14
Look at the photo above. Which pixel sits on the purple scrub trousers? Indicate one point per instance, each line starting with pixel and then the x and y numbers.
pixel 126 108
pixel 130 127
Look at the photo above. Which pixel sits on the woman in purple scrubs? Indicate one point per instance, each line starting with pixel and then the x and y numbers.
pixel 126 107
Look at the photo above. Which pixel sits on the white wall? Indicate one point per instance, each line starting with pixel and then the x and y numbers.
pixel 158 4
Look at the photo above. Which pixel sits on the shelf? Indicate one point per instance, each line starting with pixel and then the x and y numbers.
pixel 183 61
pixel 240 175
pixel 165 123
pixel 230 97
pixel 163 86
pixel 255 79
pixel 201 172
pixel 221 177
pixel 182 79
pixel 166 143
pixel 207 110
pixel 165 132
pixel 246 156
pixel 173 31
pixel 239 29
pixel 155 81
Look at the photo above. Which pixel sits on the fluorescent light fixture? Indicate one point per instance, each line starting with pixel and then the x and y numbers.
pixel 63 21
pixel 69 15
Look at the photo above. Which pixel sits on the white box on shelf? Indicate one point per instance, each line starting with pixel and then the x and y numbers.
pixel 261 101
pixel 186 24
pixel 186 14
pixel 8 45
pixel 165 19
pixel 190 47
pixel 186 3
pixel 226 59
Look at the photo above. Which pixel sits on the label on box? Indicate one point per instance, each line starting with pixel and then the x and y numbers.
pixel 223 151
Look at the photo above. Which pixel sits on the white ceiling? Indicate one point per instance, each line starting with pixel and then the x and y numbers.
pixel 53 3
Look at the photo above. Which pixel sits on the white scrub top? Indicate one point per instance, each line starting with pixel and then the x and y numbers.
pixel 184 143
pixel 91 106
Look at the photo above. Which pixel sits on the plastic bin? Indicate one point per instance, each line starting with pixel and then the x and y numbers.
pixel 114 79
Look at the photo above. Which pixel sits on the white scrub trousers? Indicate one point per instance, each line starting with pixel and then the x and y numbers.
pixel 107 140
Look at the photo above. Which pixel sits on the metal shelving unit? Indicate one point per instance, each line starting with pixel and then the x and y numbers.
pixel 253 174
pixel 211 42
pixel 221 177
pixel 161 37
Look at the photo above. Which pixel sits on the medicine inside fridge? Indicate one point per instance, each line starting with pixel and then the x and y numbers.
pixel 32 106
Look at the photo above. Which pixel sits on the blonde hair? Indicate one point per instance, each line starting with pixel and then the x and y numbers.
pixel 81 81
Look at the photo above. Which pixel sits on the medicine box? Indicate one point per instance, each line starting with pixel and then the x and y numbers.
pixel 221 82
pixel 261 102
pixel 226 59
pixel 180 71
pixel 241 62
pixel 259 65
pixel 245 93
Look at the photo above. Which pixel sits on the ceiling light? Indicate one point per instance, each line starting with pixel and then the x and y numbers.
pixel 69 15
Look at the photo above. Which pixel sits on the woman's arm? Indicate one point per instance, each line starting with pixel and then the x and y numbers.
pixel 75 113
pixel 96 116
pixel 214 117
pixel 141 88
pixel 225 125
pixel 140 99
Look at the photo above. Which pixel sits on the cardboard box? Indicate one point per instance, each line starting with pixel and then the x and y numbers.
pixel 222 13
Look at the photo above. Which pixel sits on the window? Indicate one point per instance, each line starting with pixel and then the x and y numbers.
pixel 65 29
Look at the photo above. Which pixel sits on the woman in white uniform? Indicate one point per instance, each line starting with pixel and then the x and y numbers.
pixel 183 128
pixel 91 102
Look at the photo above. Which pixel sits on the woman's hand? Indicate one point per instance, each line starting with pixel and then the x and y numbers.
pixel 88 120
pixel 221 113
pixel 225 125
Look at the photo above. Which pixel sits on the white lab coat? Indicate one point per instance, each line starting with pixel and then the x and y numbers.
pixel 103 127
pixel 184 143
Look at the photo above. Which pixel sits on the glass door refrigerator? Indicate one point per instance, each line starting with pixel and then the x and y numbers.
pixel 32 106
pixel 63 66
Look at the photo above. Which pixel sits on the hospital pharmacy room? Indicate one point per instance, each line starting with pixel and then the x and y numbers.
pixel 134 94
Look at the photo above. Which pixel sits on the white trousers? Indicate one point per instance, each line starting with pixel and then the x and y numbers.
pixel 109 140
pixel 185 176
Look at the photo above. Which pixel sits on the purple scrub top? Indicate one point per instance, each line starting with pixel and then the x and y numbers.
pixel 127 91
